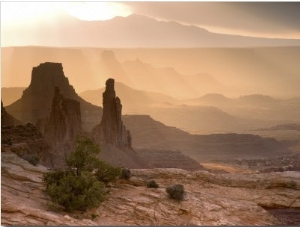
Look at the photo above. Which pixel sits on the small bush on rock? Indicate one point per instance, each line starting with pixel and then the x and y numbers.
pixel 125 174
pixel 76 192
pixel 176 191
pixel 152 184
pixel 78 188
pixel 107 173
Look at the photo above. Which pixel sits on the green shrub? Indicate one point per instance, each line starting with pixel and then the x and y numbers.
pixel 84 158
pixel 75 192
pixel 107 173
pixel 53 177
pixel 33 159
pixel 77 188
pixel 152 184
pixel 125 174
pixel 176 191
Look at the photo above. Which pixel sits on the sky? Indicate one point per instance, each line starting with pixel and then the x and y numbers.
pixel 256 19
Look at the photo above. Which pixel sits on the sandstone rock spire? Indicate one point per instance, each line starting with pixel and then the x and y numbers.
pixel 111 130
pixel 64 123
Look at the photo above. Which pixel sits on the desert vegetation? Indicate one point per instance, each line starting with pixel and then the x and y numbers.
pixel 152 184
pixel 82 185
pixel 176 192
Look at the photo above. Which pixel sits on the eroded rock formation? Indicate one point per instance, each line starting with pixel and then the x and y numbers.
pixel 64 122
pixel 111 130
pixel 26 142
pixel 112 135
pixel 36 100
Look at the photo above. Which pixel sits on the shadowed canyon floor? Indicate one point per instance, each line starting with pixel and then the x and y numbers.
pixel 211 199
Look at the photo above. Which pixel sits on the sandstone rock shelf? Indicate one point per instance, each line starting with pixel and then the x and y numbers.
pixel 211 199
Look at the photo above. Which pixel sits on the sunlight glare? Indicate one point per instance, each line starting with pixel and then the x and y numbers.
pixel 22 12
pixel 90 11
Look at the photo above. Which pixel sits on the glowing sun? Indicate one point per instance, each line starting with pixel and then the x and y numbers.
pixel 97 10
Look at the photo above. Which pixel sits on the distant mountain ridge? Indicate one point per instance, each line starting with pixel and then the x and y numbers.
pixel 141 31
pixel 230 71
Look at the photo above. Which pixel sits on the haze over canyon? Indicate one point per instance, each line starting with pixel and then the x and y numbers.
pixel 170 95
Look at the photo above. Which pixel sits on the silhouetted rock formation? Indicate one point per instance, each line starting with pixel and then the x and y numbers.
pixel 112 135
pixel 111 129
pixel 36 100
pixel 64 123
pixel 6 118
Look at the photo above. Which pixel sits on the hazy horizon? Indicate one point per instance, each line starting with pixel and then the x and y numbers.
pixel 184 50
pixel 46 23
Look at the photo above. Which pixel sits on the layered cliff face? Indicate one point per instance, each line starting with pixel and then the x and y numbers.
pixel 169 159
pixel 111 130
pixel 36 100
pixel 151 134
pixel 64 122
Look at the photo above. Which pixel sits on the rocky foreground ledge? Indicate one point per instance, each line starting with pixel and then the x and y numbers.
pixel 211 199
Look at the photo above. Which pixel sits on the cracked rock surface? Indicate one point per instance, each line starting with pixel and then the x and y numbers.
pixel 210 199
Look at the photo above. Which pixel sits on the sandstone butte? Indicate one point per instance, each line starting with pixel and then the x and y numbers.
pixel 211 199
pixel 37 99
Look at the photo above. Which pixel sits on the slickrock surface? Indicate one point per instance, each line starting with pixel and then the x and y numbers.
pixel 23 201
pixel 211 199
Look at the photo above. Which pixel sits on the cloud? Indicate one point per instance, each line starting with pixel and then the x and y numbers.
pixel 274 18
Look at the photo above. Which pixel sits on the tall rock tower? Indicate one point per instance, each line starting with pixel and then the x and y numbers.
pixel 64 122
pixel 111 130
pixel 36 101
